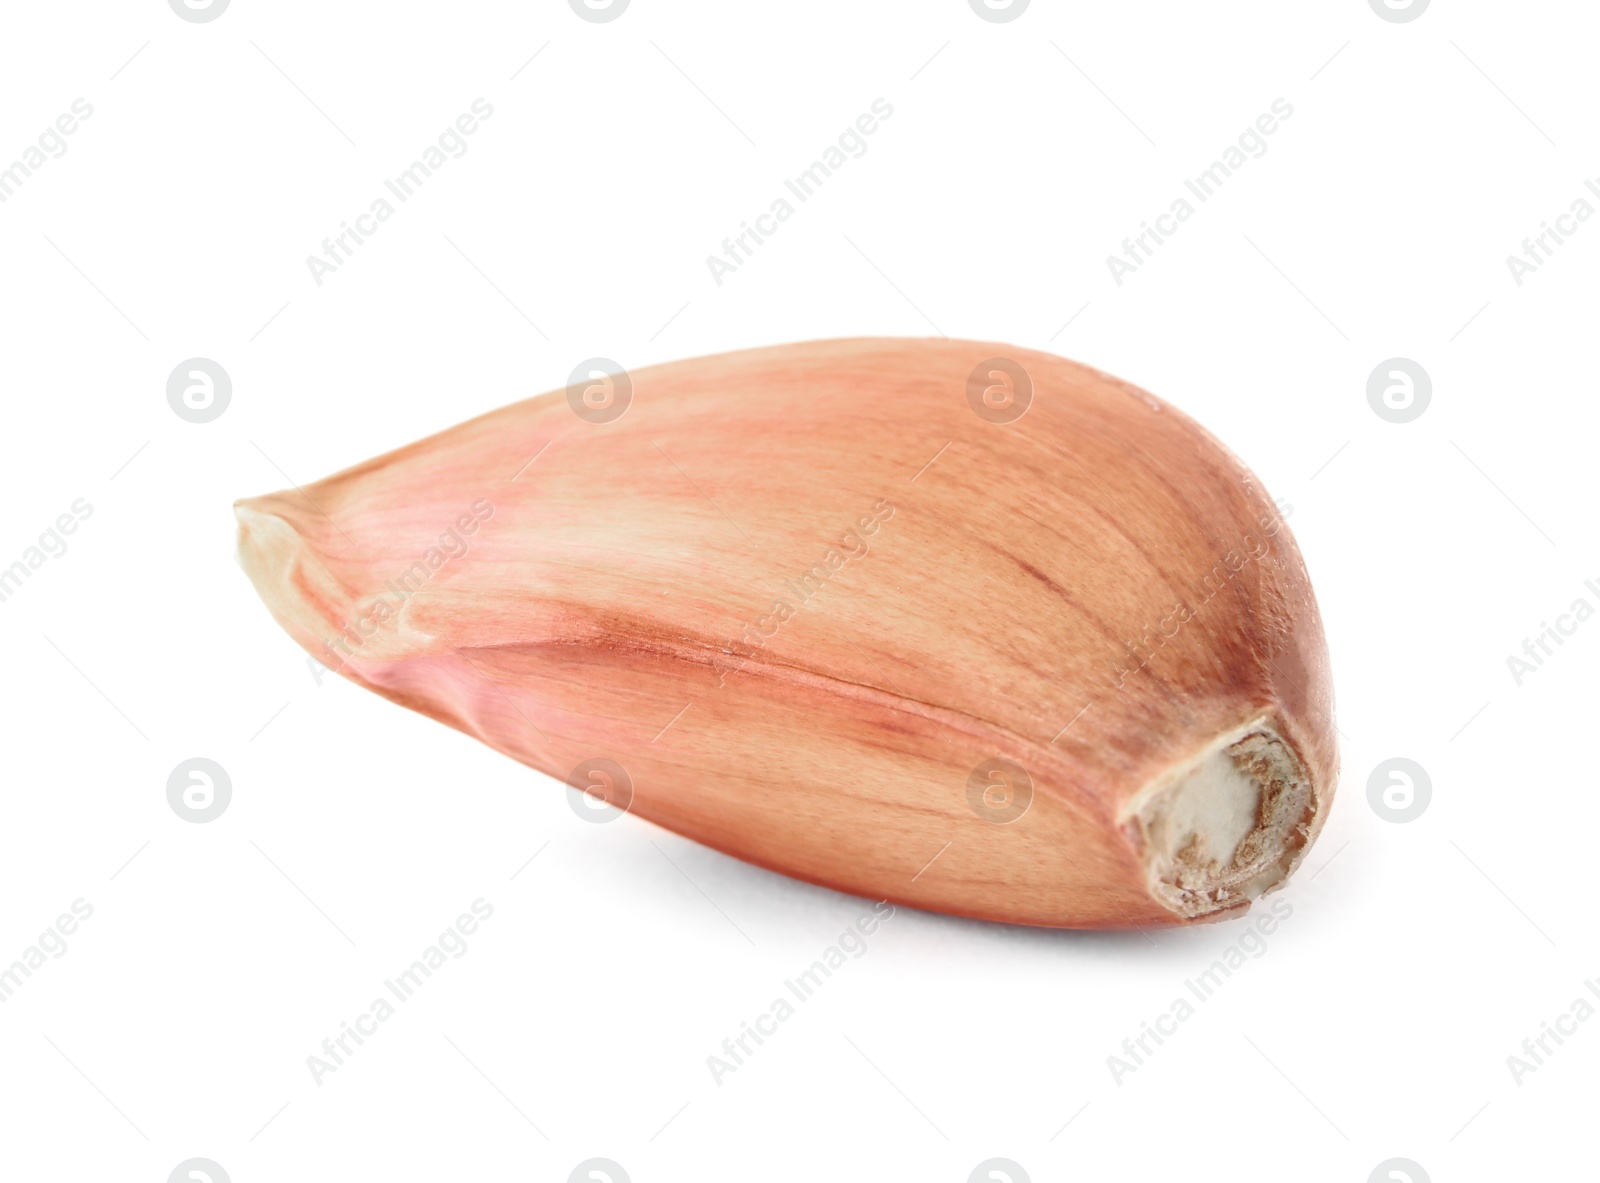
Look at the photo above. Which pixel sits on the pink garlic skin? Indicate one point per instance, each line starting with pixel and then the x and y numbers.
pixel 566 590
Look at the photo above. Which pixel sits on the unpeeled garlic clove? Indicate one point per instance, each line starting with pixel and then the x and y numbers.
pixel 963 626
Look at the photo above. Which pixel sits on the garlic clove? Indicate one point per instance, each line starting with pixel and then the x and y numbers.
pixel 959 625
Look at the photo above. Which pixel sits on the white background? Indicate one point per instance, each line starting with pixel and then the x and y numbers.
pixel 1419 956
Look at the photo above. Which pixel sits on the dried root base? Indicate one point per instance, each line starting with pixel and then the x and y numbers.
pixel 1228 825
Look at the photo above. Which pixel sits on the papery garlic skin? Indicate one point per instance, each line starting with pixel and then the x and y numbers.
pixel 822 602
